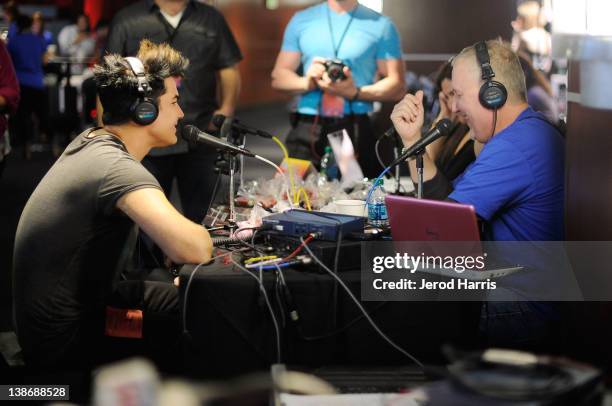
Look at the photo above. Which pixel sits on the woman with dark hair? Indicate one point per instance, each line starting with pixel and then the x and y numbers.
pixel 27 51
pixel 454 153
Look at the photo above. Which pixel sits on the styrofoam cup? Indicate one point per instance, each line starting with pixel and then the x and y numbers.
pixel 351 207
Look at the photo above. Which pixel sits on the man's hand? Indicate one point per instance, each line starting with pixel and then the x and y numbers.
pixel 408 116
pixel 211 127
pixel 315 72
pixel 345 88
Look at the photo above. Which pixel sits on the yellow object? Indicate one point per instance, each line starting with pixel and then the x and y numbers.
pixel 286 153
pixel 251 260
pixel 302 191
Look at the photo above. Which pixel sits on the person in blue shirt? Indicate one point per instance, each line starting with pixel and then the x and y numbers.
pixel 516 184
pixel 368 44
pixel 27 51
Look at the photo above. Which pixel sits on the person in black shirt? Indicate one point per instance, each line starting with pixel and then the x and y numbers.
pixel 201 34
pixel 79 220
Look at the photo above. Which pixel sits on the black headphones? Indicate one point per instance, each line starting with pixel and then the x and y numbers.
pixel 143 111
pixel 492 94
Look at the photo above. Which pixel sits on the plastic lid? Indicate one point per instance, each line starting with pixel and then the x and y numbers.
pixel 328 149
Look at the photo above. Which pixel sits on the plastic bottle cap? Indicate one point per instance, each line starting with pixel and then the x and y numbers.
pixel 328 149
pixel 379 182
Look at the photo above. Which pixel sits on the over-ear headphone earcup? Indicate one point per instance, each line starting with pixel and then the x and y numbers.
pixel 493 95
pixel 144 112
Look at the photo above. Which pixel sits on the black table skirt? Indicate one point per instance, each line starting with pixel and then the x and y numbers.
pixel 230 331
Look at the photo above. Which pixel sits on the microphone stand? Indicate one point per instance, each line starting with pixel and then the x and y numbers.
pixel 232 206
pixel 236 135
pixel 420 166
pixel 225 164
pixel 397 151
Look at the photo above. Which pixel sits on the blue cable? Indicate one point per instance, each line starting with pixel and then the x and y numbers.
pixel 374 185
pixel 269 267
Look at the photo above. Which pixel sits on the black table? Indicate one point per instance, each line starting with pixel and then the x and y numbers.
pixel 230 331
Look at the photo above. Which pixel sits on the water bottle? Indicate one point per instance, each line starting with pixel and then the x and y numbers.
pixel 377 210
pixel 329 168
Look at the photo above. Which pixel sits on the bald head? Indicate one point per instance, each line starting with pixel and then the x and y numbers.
pixel 505 64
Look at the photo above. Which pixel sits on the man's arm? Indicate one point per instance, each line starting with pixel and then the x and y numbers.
pixel 229 83
pixel 285 77
pixel 182 240
pixel 391 87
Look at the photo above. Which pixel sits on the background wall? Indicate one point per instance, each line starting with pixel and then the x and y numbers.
pixel 589 172
pixel 259 33
pixel 447 26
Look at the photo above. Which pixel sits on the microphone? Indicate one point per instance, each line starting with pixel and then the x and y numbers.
pixel 193 134
pixel 219 119
pixel 441 129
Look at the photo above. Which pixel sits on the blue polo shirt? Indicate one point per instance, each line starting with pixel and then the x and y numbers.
pixel 370 37
pixel 517 182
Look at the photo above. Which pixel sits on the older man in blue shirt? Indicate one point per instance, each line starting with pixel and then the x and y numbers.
pixel 516 184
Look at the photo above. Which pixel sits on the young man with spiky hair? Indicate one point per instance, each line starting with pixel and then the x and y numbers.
pixel 78 221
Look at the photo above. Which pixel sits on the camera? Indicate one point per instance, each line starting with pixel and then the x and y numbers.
pixel 335 69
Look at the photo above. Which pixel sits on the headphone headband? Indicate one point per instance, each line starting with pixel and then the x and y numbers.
pixel 144 110
pixel 482 54
pixel 139 70
pixel 492 94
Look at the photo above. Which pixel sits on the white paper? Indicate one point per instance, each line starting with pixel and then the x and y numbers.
pixel 344 152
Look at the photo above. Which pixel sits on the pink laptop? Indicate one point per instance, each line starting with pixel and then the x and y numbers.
pixel 433 227
pixel 431 220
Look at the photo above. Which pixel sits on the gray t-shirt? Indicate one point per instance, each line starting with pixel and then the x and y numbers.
pixel 68 244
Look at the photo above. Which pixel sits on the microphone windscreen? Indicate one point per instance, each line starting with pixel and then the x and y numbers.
pixel 190 133
pixel 444 126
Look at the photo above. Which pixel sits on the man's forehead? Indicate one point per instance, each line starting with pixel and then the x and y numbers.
pixel 172 86
pixel 464 73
